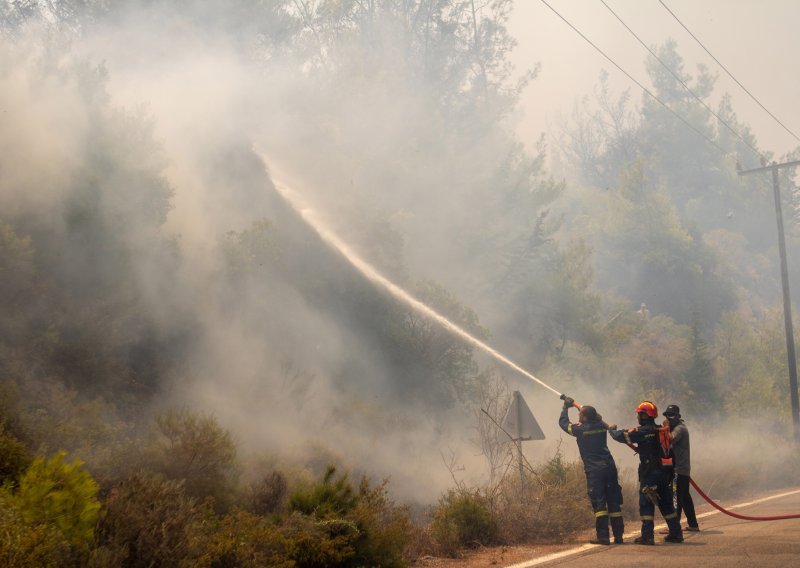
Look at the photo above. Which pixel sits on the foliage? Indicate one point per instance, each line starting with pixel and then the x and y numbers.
pixel 656 361
pixel 750 357
pixel 430 358
pixel 700 375
pixel 46 415
pixel 148 521
pixel 196 449
pixel 330 498
pixel 249 251
pixel 385 528
pixel 61 495
pixel 31 546
pixel 14 458
pixel 462 519
pixel 268 495
pixel 241 539
pixel 360 528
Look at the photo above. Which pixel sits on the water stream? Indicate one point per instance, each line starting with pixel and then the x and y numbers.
pixel 314 221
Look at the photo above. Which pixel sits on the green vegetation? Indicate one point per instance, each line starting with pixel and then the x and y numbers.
pixel 462 520
pixel 133 338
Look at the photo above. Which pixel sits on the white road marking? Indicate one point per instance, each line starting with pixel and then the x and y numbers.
pixel 586 547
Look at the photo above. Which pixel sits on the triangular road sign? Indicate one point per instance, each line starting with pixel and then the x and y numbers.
pixel 519 421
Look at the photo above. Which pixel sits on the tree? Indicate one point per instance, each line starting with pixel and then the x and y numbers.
pixel 61 495
pixel 700 375
pixel 195 449
pixel 432 364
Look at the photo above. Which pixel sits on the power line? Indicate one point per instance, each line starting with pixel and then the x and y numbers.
pixel 645 89
pixel 682 82
pixel 726 70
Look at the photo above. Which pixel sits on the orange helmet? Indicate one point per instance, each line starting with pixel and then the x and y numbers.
pixel 647 407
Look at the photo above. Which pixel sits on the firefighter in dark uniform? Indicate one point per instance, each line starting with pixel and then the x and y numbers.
pixel 601 472
pixel 655 478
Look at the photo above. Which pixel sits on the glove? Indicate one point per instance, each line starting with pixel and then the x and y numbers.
pixel 612 426
pixel 568 402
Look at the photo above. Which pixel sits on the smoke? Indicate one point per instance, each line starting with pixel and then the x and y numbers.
pixel 128 153
pixel 135 131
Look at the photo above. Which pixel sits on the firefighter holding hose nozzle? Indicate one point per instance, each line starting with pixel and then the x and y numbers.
pixel 605 493
pixel 655 473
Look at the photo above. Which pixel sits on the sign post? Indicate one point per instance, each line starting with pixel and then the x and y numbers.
pixel 522 426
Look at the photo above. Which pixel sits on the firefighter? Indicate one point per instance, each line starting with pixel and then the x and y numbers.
pixel 605 493
pixel 680 447
pixel 655 478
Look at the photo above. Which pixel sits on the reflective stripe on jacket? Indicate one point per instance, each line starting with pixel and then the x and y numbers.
pixel 592 442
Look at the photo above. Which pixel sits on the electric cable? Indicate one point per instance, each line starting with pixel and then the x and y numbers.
pixel 647 91
pixel 682 82
pixel 752 96
pixel 632 78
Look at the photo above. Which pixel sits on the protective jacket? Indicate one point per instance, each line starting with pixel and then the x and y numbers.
pixel 592 442
pixel 654 479
pixel 645 437
pixel 680 448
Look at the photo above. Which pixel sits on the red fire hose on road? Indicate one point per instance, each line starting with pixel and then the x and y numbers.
pixel 737 515
pixel 713 503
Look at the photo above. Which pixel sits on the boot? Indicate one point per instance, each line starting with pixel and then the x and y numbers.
pixel 642 540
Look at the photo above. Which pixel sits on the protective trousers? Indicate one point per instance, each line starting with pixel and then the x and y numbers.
pixel 684 499
pixel 657 485
pixel 606 497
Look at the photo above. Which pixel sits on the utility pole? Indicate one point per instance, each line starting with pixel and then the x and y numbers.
pixel 787 303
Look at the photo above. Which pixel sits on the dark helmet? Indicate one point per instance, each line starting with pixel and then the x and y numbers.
pixel 648 408
pixel 590 414
pixel 672 411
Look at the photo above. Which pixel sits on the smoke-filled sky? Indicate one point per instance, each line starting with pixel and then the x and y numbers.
pixel 758 43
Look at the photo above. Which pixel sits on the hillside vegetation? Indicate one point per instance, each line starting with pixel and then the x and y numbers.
pixel 190 375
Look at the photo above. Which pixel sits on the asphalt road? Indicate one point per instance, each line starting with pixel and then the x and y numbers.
pixel 723 542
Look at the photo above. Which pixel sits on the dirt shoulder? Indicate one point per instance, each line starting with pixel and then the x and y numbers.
pixel 498 556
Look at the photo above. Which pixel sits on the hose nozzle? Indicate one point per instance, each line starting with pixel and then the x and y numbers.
pixel 575 404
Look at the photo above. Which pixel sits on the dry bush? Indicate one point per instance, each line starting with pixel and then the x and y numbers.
pixel 148 521
pixel 549 509
pixel 268 495
pixel 32 546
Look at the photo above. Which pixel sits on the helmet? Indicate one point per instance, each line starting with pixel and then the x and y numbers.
pixel 647 407
pixel 590 413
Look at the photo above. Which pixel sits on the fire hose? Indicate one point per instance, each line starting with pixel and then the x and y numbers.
pixel 737 515
pixel 713 503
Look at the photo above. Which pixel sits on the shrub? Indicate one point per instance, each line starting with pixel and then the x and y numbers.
pixel 241 539
pixel 199 451
pixel 462 519
pixel 14 458
pixel 338 525
pixel 60 495
pixel 23 545
pixel 268 495
pixel 149 521
pixel 386 529
pixel 327 499
pixel 320 544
